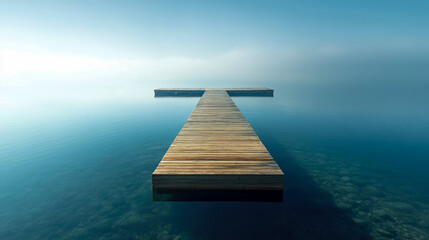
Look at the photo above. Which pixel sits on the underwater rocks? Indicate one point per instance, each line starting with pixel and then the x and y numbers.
pixel 374 198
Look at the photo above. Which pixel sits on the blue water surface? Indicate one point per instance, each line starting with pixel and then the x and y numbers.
pixel 82 170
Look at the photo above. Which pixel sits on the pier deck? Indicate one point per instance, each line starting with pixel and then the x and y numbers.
pixel 198 92
pixel 217 149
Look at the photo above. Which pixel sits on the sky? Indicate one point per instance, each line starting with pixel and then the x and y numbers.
pixel 118 48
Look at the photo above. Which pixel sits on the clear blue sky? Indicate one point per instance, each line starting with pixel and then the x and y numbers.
pixel 202 40
pixel 208 27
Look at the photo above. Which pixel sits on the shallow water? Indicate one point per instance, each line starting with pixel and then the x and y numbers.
pixel 82 170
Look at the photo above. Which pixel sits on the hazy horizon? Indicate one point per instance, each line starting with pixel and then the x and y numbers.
pixel 105 49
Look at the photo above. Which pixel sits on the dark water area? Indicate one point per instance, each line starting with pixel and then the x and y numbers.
pixel 355 168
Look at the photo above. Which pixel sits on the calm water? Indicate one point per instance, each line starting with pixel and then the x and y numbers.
pixel 355 169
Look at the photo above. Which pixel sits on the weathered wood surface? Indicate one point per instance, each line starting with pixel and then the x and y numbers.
pixel 198 92
pixel 217 149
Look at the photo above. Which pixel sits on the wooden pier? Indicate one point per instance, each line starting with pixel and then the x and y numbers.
pixel 217 149
pixel 198 92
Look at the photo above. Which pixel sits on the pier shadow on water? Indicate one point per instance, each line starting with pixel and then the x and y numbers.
pixel 307 211
pixel 218 195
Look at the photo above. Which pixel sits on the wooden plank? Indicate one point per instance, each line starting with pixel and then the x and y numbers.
pixel 217 149
pixel 198 92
